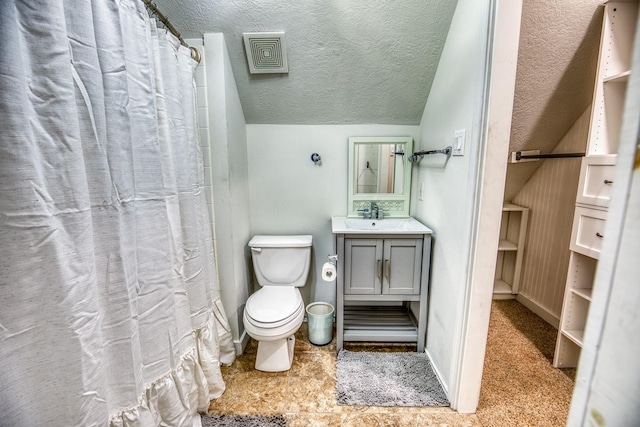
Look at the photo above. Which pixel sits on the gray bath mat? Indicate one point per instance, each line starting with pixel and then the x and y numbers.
pixel 243 421
pixel 387 379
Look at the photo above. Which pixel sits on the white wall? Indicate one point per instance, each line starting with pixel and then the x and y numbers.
pixel 292 195
pixel 228 159
pixel 455 103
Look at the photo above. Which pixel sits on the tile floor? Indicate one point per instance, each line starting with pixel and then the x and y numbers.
pixel 305 395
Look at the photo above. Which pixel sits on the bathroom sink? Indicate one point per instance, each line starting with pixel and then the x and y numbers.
pixel 343 225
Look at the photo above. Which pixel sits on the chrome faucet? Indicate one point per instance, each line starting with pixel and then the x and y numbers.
pixel 372 212
pixel 366 213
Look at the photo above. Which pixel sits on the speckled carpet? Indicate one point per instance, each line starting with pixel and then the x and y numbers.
pixel 387 379
pixel 520 387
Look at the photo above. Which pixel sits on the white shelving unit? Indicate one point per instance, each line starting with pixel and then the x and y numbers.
pixel 596 176
pixel 513 231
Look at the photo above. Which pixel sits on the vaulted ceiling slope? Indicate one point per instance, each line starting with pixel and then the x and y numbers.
pixel 350 61
pixel 557 59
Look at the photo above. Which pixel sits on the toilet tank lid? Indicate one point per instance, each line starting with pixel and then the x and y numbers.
pixel 280 241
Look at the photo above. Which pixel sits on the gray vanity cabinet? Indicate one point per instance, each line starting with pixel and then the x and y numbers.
pixel 382 285
pixel 382 266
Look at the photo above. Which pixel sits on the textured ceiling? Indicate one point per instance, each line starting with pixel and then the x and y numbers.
pixel 557 58
pixel 354 61
pixel 350 61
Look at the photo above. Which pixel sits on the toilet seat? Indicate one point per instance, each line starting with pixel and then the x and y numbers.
pixel 270 326
pixel 273 313
pixel 272 334
pixel 274 306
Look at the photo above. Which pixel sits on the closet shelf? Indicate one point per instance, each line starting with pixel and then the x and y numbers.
pixel 506 245
pixel 575 335
pixel 618 78
pixel 582 292
pixel 500 287
pixel 510 207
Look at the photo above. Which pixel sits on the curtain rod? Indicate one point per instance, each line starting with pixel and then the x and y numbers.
pixel 195 53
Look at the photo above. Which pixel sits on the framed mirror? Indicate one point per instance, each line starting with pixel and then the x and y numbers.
pixel 380 171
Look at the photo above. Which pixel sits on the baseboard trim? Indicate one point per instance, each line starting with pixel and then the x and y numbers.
pixel 503 296
pixel 438 375
pixel 546 315
pixel 241 344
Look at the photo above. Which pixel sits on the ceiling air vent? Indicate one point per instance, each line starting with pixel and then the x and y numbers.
pixel 266 52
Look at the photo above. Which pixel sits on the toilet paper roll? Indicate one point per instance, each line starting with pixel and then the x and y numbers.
pixel 328 272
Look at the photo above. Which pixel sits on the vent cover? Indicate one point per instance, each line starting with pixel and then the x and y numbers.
pixel 266 52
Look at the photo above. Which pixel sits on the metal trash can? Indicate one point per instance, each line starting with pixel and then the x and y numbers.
pixel 320 319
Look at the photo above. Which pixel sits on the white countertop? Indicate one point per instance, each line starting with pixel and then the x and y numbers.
pixel 345 225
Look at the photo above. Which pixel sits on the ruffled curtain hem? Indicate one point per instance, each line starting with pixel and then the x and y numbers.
pixel 176 397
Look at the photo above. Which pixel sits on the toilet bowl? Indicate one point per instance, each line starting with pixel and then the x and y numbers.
pixel 272 317
pixel 274 313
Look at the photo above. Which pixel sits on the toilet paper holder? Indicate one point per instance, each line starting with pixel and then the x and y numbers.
pixel 329 269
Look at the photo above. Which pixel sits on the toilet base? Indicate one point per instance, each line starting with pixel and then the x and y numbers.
pixel 275 356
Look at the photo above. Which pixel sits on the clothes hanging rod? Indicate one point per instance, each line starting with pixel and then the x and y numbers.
pixel 195 53
pixel 418 155
pixel 520 156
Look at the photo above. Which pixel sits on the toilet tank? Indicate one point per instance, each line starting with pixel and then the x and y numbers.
pixel 281 260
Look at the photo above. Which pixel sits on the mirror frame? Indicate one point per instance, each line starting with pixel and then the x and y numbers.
pixel 393 205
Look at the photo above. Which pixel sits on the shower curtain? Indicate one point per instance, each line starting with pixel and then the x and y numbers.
pixel 109 309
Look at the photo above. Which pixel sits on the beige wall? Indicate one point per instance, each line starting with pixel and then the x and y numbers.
pixel 550 194
pixel 554 83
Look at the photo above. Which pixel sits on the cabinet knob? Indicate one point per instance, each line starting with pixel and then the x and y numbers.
pixel 599 235
pixel 379 269
pixel 387 270
pixel 608 181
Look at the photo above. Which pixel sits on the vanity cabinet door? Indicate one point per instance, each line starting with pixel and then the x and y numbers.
pixel 402 266
pixel 363 266
pixel 382 266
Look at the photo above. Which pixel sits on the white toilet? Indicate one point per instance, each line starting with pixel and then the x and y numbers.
pixel 275 312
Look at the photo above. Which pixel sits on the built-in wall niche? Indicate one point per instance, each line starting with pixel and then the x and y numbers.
pixel 380 172
pixel 513 231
